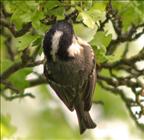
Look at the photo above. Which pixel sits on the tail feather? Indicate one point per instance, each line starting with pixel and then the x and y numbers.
pixel 84 119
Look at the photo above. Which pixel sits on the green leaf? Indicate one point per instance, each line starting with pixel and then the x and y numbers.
pixel 99 43
pixel 38 15
pixel 130 12
pixel 128 20
pixel 25 41
pixel 101 39
pixel 23 12
pixel 51 4
pixel 21 15
pixel 84 32
pixel 5 63
pixel 87 20
pixel 37 42
pixel 18 79
pixel 36 23
pixel 40 28
pixel 99 6
pixel 7 129
pixel 100 52
pixel 97 12
pixel 57 12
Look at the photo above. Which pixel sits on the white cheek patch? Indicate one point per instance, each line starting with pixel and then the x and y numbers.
pixel 55 43
pixel 74 48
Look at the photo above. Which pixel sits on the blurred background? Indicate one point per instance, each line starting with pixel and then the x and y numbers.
pixel 45 117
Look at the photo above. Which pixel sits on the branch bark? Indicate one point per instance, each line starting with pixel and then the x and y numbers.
pixel 17 66
pixel 26 27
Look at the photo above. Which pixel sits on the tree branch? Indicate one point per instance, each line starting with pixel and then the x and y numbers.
pixel 25 28
pixel 129 61
pixel 8 43
pixel 126 100
pixel 130 35
pixel 17 96
pixel 37 82
pixel 17 66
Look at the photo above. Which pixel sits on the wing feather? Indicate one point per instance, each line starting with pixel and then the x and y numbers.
pixel 65 93
pixel 89 90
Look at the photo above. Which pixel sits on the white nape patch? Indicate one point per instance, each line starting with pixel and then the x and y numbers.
pixel 82 42
pixel 55 43
pixel 74 48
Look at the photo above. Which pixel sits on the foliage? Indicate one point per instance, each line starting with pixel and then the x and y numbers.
pixel 6 128
pixel 106 25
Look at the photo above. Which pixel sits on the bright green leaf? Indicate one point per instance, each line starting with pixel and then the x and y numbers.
pixel 5 63
pixel 58 12
pixel 51 4
pixel 37 42
pixel 87 20
pixel 40 28
pixel 21 15
pixel 99 43
pixel 101 39
pixel 36 23
pixel 130 12
pixel 23 12
pixel 99 6
pixel 18 79
pixel 25 41
pixel 97 11
pixel 84 32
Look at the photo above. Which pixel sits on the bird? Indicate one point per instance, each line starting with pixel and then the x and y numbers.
pixel 70 69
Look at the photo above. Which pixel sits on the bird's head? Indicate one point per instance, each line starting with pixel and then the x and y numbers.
pixel 58 39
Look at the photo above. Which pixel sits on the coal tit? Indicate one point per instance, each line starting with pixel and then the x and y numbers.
pixel 70 69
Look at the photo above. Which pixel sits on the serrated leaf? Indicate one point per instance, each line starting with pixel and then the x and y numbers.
pixel 18 79
pixel 87 20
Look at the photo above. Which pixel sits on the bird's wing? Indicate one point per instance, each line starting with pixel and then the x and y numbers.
pixel 90 84
pixel 89 90
pixel 65 93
